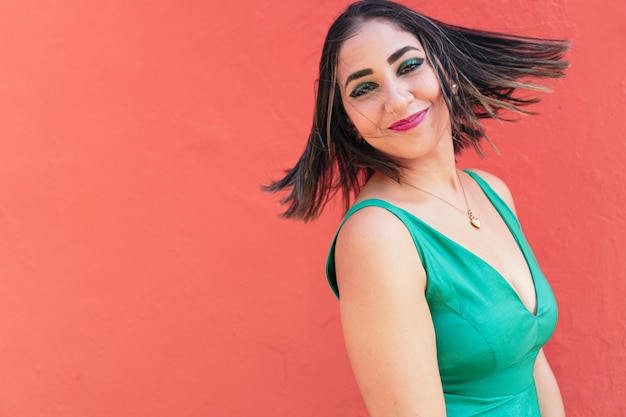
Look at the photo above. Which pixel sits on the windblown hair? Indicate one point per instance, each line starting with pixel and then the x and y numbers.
pixel 487 67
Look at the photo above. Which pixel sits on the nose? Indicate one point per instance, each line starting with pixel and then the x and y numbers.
pixel 397 97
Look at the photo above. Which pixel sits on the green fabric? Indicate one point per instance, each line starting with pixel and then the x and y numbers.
pixel 487 340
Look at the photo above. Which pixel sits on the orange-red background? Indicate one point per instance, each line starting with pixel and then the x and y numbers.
pixel 143 273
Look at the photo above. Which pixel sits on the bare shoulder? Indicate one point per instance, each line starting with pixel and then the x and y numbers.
pixel 498 186
pixel 372 223
pixel 375 248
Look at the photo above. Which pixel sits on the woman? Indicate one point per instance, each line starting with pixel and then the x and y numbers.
pixel 443 307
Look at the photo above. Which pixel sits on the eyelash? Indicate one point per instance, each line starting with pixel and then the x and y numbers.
pixel 411 64
pixel 406 67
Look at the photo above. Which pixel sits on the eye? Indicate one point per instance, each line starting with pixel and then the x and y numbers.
pixel 362 89
pixel 410 65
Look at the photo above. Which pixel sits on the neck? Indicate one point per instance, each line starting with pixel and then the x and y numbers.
pixel 437 169
pixel 433 175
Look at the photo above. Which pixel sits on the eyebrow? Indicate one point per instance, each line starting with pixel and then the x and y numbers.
pixel 392 58
pixel 396 55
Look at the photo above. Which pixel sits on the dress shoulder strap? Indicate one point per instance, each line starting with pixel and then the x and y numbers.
pixel 503 208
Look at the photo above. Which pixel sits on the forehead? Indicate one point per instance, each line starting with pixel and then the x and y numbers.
pixel 372 43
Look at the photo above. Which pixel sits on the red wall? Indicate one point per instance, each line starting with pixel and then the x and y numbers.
pixel 143 273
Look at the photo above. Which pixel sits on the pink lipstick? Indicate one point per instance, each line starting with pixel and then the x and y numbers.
pixel 410 122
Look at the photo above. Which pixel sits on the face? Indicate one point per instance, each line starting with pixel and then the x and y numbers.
pixel 391 92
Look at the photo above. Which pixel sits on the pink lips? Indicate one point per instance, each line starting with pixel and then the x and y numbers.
pixel 410 122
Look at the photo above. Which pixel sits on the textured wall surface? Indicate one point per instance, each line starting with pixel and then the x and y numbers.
pixel 143 273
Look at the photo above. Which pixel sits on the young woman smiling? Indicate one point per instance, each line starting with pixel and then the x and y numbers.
pixel 443 306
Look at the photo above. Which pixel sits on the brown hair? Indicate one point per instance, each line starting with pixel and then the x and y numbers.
pixel 487 67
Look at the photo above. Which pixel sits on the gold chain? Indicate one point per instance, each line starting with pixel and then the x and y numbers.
pixel 475 221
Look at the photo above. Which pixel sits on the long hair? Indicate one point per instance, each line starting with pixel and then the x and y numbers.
pixel 488 68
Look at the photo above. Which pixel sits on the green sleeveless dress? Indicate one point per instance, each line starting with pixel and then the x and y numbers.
pixel 487 340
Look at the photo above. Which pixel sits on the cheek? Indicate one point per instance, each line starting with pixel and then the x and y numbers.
pixel 363 115
pixel 354 114
pixel 433 91
pixel 356 117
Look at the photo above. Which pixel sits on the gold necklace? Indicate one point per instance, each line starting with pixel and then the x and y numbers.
pixel 475 221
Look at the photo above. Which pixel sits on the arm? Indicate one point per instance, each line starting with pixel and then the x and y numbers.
pixel 550 401
pixel 386 322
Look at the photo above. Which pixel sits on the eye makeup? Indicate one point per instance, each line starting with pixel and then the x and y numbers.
pixel 362 89
pixel 410 65
pixel 405 67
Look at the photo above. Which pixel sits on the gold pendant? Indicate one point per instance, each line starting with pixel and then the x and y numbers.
pixel 475 221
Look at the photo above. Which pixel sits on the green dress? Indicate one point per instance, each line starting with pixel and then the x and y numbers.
pixel 487 340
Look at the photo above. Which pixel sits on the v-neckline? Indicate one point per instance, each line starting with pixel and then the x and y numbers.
pixel 500 277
